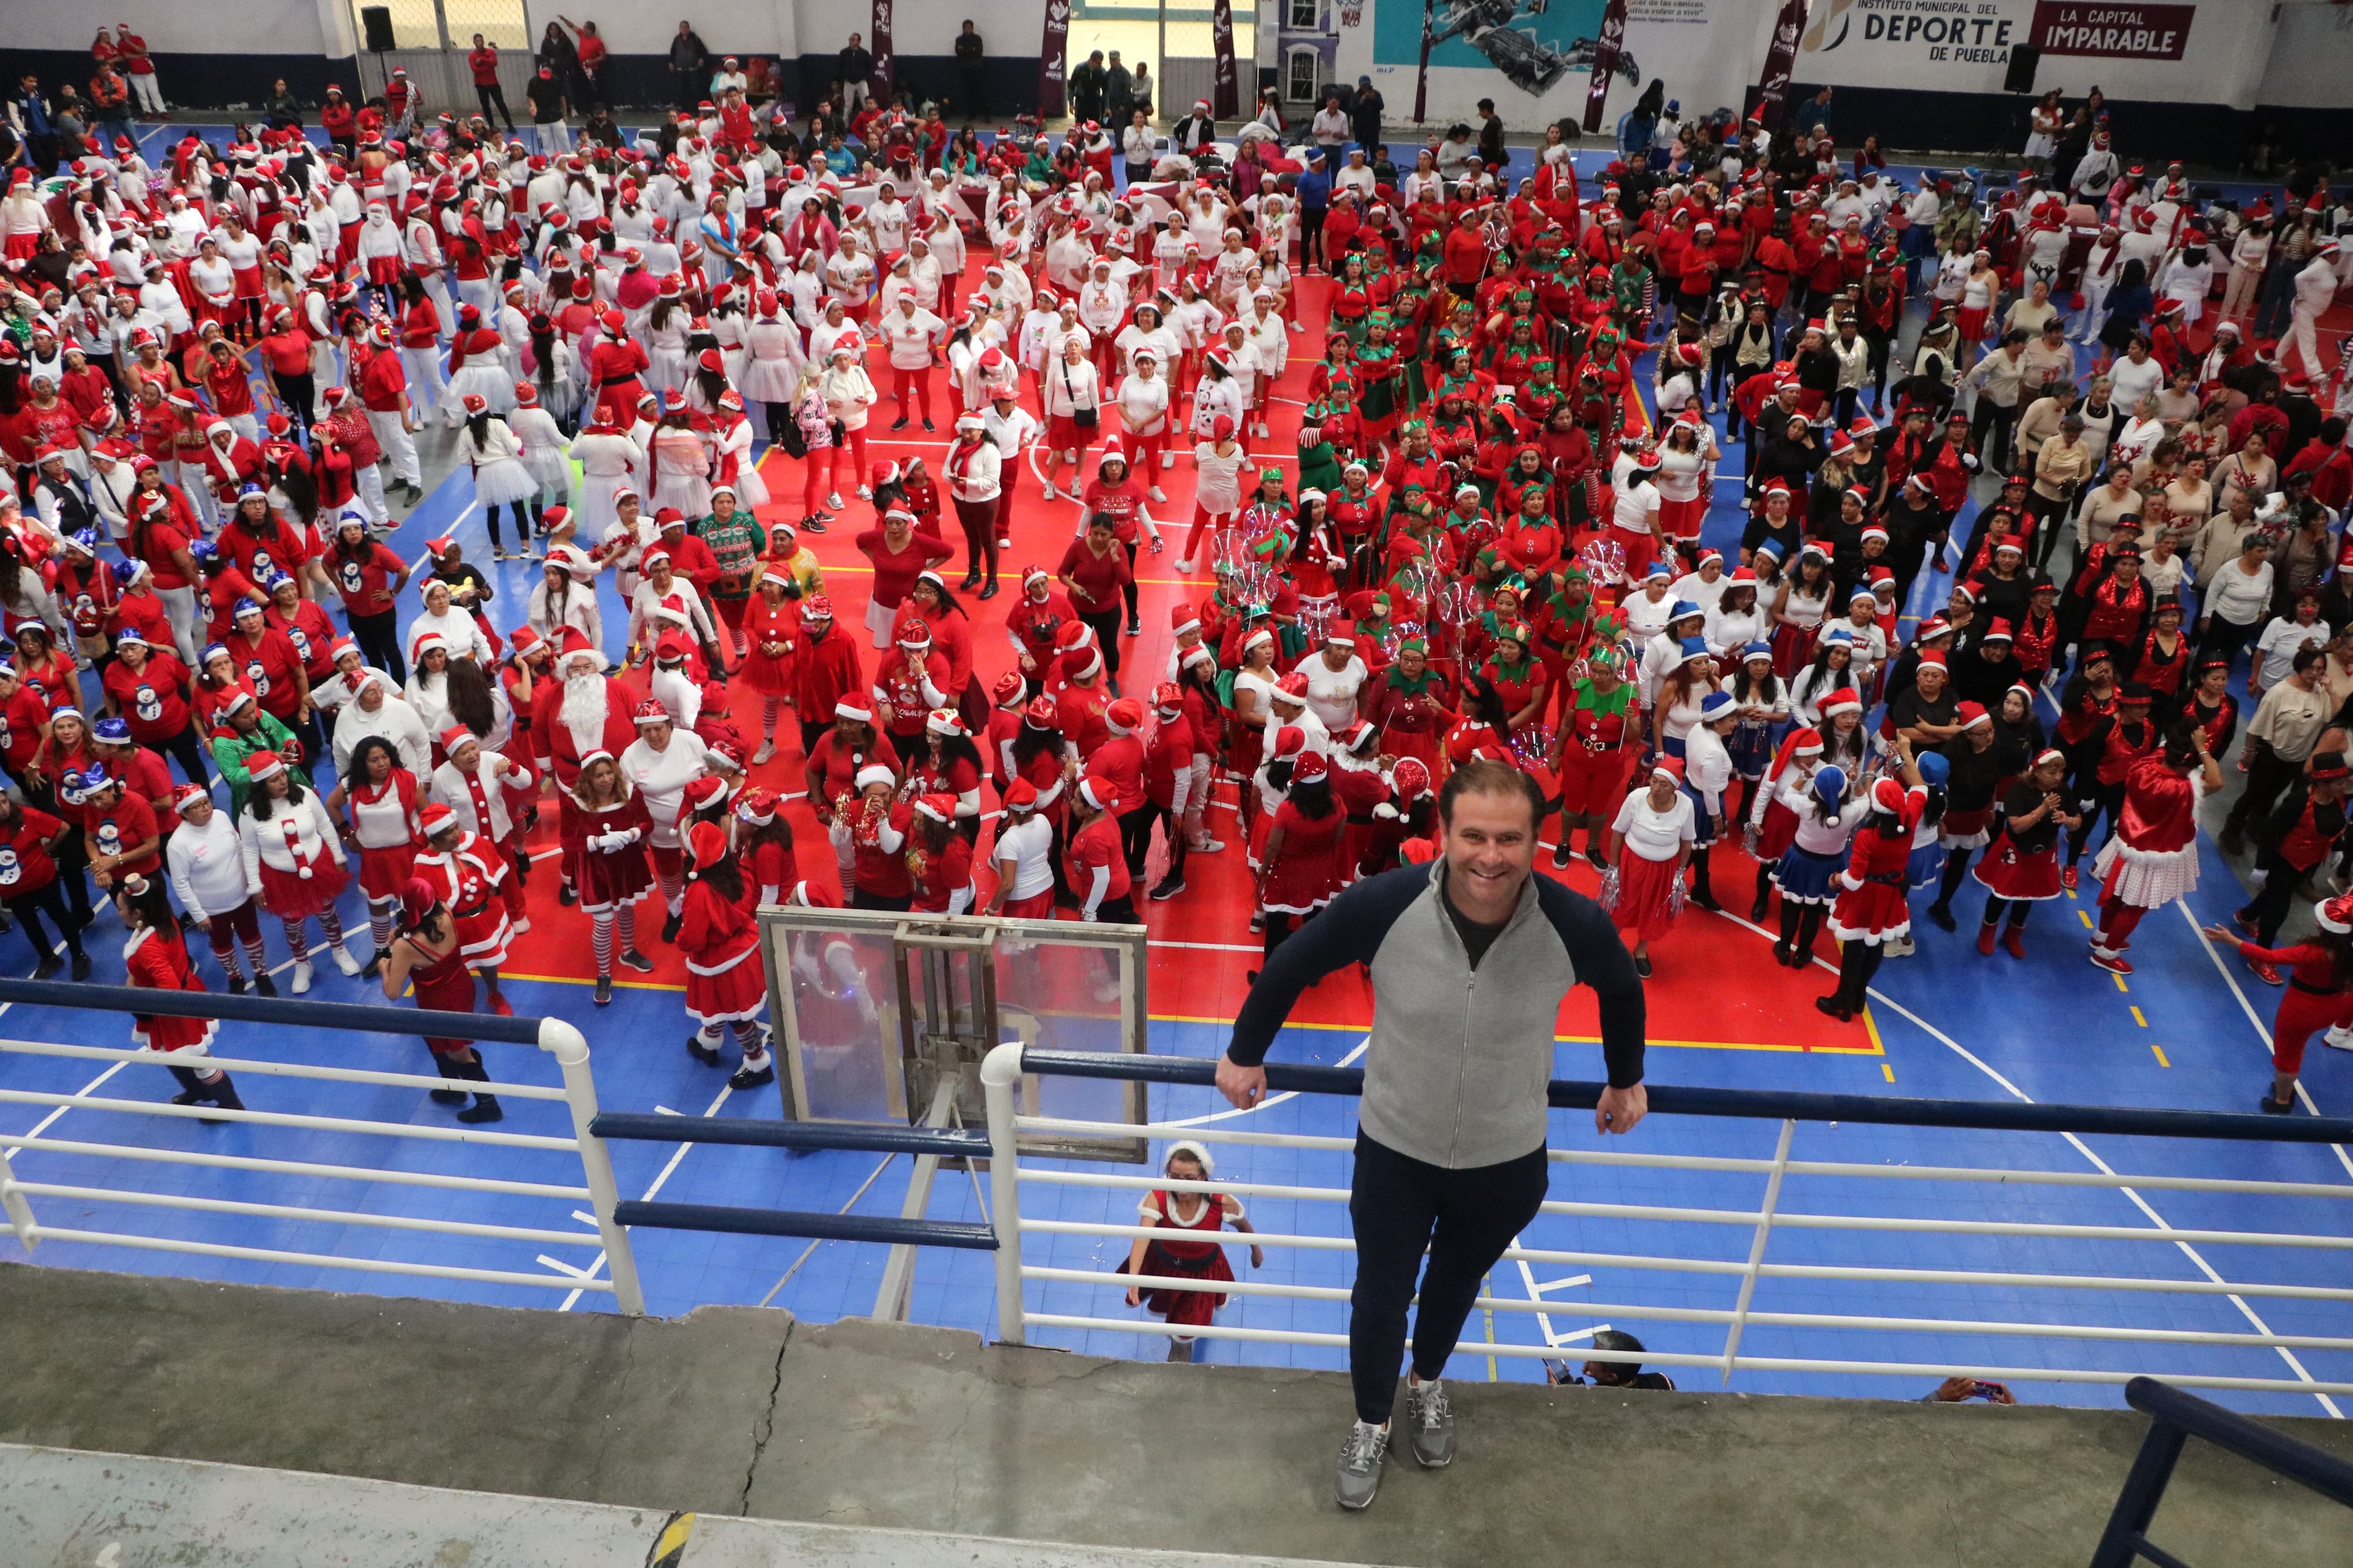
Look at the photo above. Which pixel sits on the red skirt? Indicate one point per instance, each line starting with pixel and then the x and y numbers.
pixel 448 992
pixel 1301 881
pixel 770 677
pixel 1775 832
pixel 23 246
pixel 603 879
pixel 292 897
pixel 2007 874
pixel 383 270
pixel 249 282
pixel 1972 324
pixel 1793 647
pixel 738 991
pixel 1190 1308
pixel 1966 829
pixel 482 937
pixel 1682 519
pixel 1643 888
pixel 159 1033
pixel 383 872
pixel 1037 906
pixel 1591 782
pixel 1063 435
pixel 1873 913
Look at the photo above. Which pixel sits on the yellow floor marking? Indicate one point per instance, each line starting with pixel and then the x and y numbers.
pixel 1888 1070
pixel 2138 1020
pixel 2160 1053
pixel 2085 917
pixel 2119 980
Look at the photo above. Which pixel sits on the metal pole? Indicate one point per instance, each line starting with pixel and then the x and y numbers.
pixel 1756 1247
pixel 1163 62
pixel 20 1211
pixel 441 23
pixel 999 1071
pixel 570 1049
pixel 899 1270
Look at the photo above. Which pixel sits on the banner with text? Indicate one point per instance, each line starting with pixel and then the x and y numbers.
pixel 2113 32
pixel 1051 84
pixel 884 66
pixel 1605 60
pixel 1227 101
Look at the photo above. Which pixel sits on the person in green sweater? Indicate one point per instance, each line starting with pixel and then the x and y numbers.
pixel 241 729
pixel 737 541
pixel 1319 462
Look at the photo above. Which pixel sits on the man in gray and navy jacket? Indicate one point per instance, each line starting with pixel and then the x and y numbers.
pixel 1471 957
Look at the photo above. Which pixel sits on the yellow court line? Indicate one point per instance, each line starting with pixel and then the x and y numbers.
pixel 1889 1071
pixel 2160 1053
pixel 2082 915
pixel 2119 980
pixel 2138 1020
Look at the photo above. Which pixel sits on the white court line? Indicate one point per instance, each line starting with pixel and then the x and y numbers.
pixel 1349 1060
pixel 2262 1031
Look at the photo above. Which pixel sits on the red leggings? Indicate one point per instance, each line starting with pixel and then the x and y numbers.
pixel 812 484
pixel 1592 784
pixel 1147 450
pixel 918 382
pixel 2117 919
pixel 853 447
pixel 1202 522
pixel 2301 1015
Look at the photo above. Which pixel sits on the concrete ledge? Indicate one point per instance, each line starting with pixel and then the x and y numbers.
pixel 889 1426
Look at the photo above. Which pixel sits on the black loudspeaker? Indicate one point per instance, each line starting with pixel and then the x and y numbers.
pixel 2025 61
pixel 375 21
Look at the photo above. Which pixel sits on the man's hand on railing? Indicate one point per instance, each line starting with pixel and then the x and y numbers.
pixel 1616 1111
pixel 1245 1087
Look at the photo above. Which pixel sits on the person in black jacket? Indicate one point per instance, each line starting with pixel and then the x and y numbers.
pixel 689 67
pixel 1089 82
pixel 855 67
pixel 968 56
pixel 1491 135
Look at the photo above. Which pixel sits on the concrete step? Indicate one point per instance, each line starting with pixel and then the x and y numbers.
pixel 737 1411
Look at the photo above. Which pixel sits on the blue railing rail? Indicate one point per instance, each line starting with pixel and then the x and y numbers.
pixel 2175 1417
pixel 1777 1105
pixel 858 1137
pixel 306 1015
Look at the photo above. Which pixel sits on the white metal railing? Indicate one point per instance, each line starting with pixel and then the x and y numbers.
pixel 1003 1073
pixel 596 1189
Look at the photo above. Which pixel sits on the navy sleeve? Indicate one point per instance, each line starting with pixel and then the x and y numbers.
pixel 1603 964
pixel 1349 931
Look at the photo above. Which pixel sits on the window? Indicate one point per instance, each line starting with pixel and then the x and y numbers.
pixel 1299 73
pixel 1305 16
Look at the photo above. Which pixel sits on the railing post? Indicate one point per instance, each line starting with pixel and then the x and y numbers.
pixel 2144 1489
pixel 20 1211
pixel 1756 1247
pixel 1000 1071
pixel 570 1049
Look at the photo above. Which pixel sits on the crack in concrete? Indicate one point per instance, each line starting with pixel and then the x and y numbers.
pixel 766 1428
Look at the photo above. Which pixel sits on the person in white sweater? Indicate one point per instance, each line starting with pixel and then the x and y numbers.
pixel 375 709
pixel 206 857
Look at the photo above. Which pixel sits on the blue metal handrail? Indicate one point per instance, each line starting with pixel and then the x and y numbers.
pixel 272 1010
pixel 1777 1105
pixel 2175 1418
pixel 860 1137
pixel 889 1230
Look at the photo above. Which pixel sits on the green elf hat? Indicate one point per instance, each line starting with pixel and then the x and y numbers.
pixel 1541 367
pixel 1512 583
pixel 1414 644
pixel 1416 428
pixel 1573 572
pixel 1380 606
pixel 1515 631
pixel 1273 474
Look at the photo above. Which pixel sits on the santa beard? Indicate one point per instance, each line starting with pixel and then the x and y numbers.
pixel 586 702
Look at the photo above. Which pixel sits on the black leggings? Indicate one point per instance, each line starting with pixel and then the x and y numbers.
pixel 1799 925
pixel 1172 829
pixel 1129 591
pixel 379 642
pixel 2018 910
pixel 1106 627
pixel 1956 865
pixel 1858 964
pixel 2270 906
pixel 527 516
pixel 1135 836
pixel 1465 1218
pixel 297 393
pixel 29 908
pixel 492 95
pixel 184 750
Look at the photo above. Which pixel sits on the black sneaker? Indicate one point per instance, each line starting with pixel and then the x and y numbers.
pixel 2270 1106
pixel 1134 627
pixel 1642 965
pixel 446 1096
pixel 47 967
pixel 971 581
pixel 813 525
pixel 264 986
pixel 989 590
pixel 900 423
pixel 565 897
pixel 603 991
pixel 237 984
pixel 1169 888
pixel 80 969
pixel 670 927
pixel 1703 900
pixel 484 1109
pixel 928 424
pixel 630 958
pixel 1942 916
pixel 1561 855
pixel 753 1078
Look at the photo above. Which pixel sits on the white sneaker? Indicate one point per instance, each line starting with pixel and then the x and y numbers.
pixel 2340 1038
pixel 833 500
pixel 301 976
pixel 1168 459
pixel 767 751
pixel 1208 846
pixel 1051 493
pixel 1156 493
pixel 344 961
pixel 865 492
pixel 1185 566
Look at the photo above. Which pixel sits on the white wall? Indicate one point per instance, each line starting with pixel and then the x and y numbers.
pixel 2311 62
pixel 207 26
pixel 784 28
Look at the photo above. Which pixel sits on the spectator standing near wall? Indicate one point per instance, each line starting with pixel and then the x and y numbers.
pixel 856 67
pixel 131 58
pixel 1087 84
pixel 1119 92
pixel 689 67
pixel 482 59
pixel 969 54
pixel 1469 958
pixel 1365 113
pixel 1491 135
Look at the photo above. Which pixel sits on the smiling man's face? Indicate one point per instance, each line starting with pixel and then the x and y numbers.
pixel 1491 851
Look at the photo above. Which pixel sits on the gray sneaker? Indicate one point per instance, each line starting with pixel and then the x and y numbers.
pixel 1431 1421
pixel 1360 1465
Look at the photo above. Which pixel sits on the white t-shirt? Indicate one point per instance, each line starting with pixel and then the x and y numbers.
pixel 1219 489
pixel 1332 693
pixel 1029 846
pixel 1654 834
pixel 1637 504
